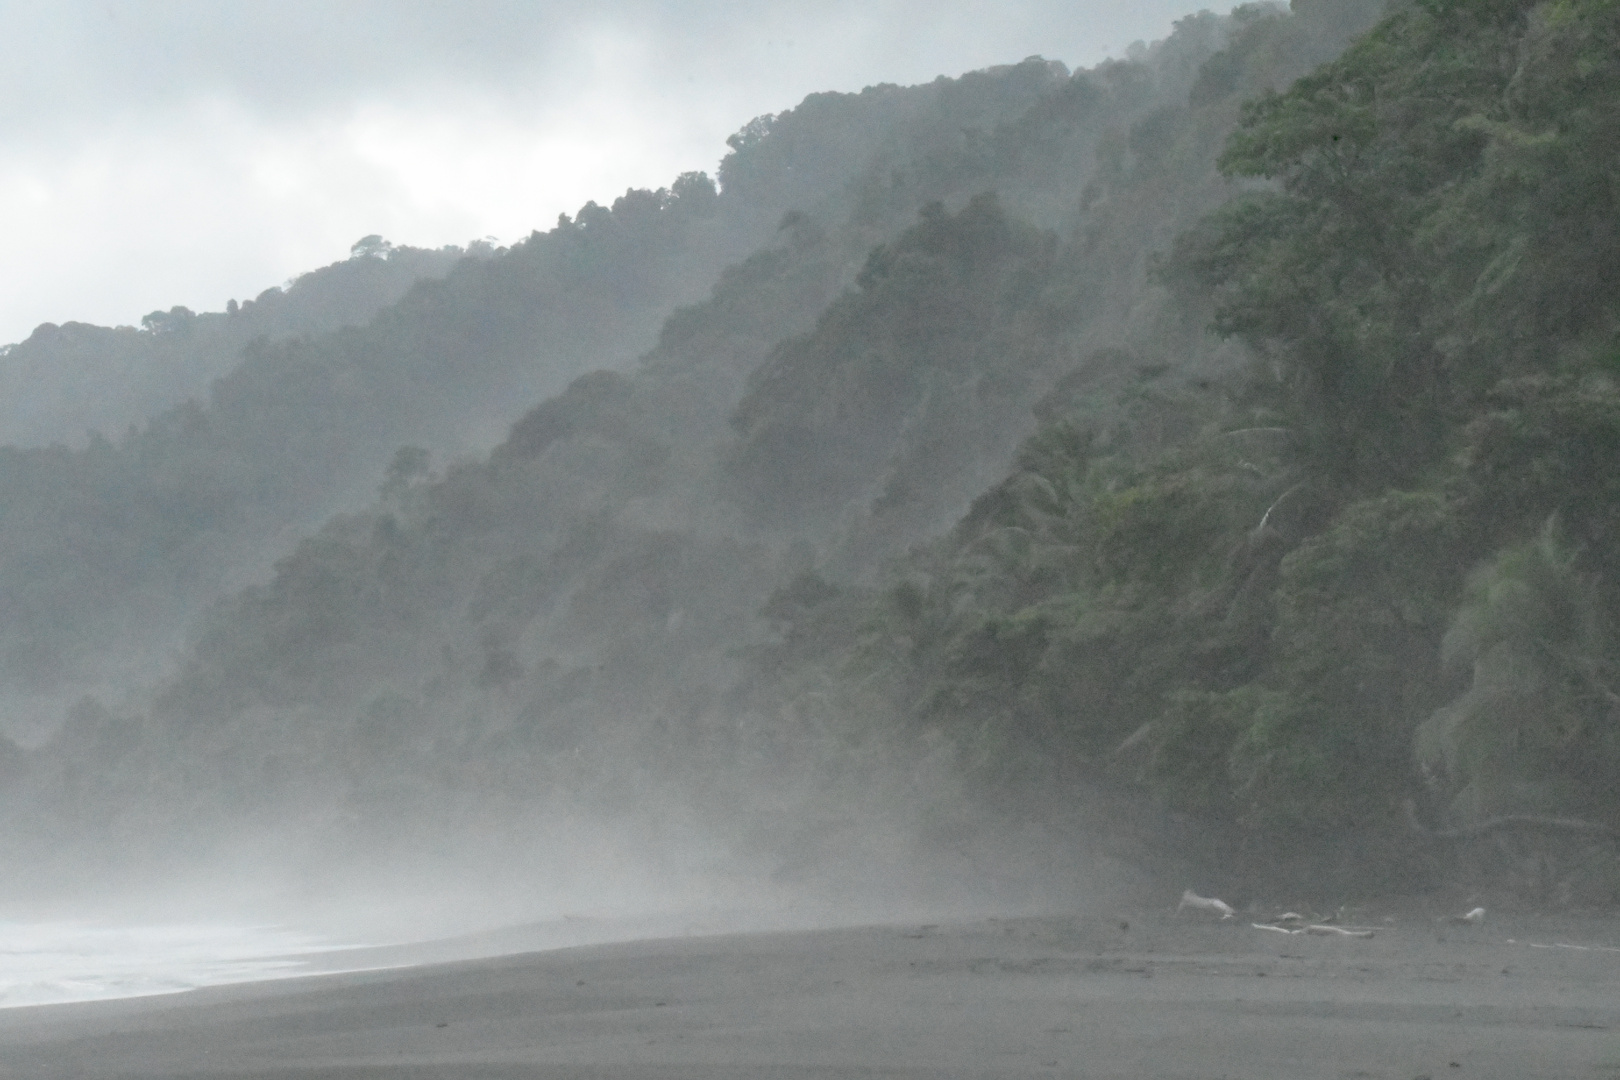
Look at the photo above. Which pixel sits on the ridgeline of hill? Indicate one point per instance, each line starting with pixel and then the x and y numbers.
pixel 1237 423
pixel 65 384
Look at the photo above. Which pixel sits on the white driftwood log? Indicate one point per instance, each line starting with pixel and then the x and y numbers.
pixel 1190 899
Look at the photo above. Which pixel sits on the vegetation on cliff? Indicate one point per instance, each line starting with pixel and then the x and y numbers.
pixel 1361 594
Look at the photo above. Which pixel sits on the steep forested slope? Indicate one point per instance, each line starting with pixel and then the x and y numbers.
pixel 100 547
pixel 1358 600
pixel 105 552
pixel 579 617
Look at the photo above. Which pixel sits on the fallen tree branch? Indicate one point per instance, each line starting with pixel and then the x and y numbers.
pixel 1322 930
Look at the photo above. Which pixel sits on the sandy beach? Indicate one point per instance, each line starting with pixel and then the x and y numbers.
pixel 1116 995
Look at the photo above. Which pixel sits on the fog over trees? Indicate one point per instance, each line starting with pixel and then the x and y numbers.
pixel 1227 433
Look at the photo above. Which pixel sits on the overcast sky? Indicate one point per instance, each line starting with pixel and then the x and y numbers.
pixel 186 152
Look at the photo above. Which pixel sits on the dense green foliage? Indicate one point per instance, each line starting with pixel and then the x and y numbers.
pixel 1444 215
pixel 1432 283
pixel 1262 599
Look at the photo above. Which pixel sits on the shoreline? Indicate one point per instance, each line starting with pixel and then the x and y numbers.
pixel 115 961
pixel 1138 995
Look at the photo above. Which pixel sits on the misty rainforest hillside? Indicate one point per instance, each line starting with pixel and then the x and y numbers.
pixel 1357 598
pixel 107 552
pixel 1234 426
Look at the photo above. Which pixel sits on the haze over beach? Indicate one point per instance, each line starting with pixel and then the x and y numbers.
pixel 797 542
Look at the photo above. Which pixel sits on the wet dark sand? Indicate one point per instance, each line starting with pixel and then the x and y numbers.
pixel 1072 996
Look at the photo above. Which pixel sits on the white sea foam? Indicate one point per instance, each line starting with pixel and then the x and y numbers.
pixel 53 962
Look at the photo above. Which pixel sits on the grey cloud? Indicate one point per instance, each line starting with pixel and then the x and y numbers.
pixel 100 62
pixel 126 190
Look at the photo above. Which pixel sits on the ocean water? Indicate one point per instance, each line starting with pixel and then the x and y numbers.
pixel 47 963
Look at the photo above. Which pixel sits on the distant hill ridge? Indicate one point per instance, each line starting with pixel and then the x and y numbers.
pixel 62 383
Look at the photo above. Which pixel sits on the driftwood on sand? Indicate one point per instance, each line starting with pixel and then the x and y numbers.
pixel 1324 930
pixel 1318 929
pixel 1190 899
